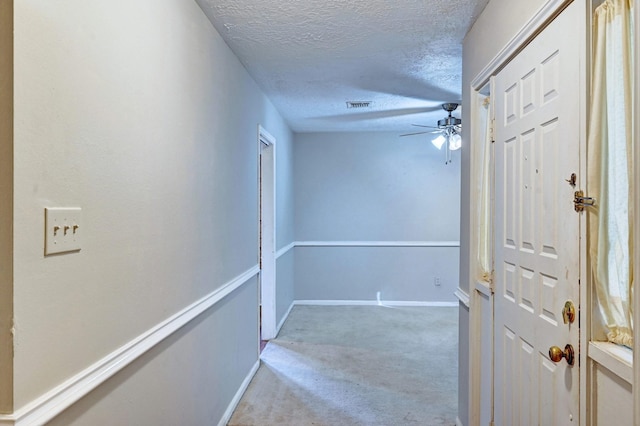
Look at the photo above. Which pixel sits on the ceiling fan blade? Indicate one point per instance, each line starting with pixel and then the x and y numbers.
pixel 373 115
pixel 417 133
pixel 392 83
pixel 428 127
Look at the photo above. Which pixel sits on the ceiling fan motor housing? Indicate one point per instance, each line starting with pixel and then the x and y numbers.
pixel 449 121
pixel 449 106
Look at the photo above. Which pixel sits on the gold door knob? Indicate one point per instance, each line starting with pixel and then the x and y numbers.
pixel 556 354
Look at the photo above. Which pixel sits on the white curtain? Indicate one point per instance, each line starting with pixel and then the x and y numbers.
pixel 610 167
pixel 484 234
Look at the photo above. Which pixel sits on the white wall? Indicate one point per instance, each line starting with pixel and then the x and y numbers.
pixel 187 379
pixel 374 188
pixel 611 397
pixel 285 224
pixel 285 284
pixel 140 114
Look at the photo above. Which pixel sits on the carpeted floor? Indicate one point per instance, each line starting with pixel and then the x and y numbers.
pixel 357 365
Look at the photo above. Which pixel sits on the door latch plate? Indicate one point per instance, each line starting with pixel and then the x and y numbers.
pixel 580 201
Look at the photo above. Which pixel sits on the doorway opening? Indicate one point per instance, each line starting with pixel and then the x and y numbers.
pixel 267 235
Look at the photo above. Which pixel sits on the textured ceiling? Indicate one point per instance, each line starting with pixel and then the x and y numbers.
pixel 312 56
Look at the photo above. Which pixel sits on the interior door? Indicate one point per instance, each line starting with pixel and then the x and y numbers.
pixel 537 125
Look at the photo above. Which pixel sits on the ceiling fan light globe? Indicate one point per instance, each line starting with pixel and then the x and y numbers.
pixel 455 142
pixel 439 141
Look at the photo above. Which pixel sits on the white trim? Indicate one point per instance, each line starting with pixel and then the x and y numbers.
pixel 459 422
pixel 284 250
pixel 636 237
pixel 587 376
pixel 284 318
pixel 462 296
pixel 400 303
pixel 484 288
pixel 238 396
pixel 377 243
pixel 265 137
pixel 58 399
pixel 267 221
pixel 617 359
pixel 374 303
pixel 545 14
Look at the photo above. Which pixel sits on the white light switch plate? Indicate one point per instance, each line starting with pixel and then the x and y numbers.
pixel 63 229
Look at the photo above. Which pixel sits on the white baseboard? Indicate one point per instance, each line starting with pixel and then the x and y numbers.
pixel 377 243
pixel 58 399
pixel 395 303
pixel 284 318
pixel 423 304
pixel 238 396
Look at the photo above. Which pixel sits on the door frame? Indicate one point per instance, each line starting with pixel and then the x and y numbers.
pixel 545 15
pixel 481 300
pixel 636 240
pixel 267 232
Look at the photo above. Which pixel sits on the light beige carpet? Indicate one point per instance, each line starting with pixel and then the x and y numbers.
pixel 357 365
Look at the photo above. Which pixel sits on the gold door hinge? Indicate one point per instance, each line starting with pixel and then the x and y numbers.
pixel 492 130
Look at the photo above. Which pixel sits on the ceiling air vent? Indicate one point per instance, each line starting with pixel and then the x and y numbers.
pixel 358 104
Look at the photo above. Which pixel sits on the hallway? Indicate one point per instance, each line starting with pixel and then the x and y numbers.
pixel 357 365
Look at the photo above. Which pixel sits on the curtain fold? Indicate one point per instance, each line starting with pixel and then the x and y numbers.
pixel 484 236
pixel 611 167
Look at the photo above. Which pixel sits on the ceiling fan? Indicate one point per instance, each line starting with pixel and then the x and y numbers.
pixel 448 132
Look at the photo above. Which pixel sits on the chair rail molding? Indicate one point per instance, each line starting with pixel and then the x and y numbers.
pixel 377 244
pixel 284 250
pixel 58 399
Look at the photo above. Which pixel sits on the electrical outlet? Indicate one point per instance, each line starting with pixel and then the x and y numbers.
pixel 62 231
pixel 436 281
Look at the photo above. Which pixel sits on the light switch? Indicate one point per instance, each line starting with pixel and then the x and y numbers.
pixel 63 229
